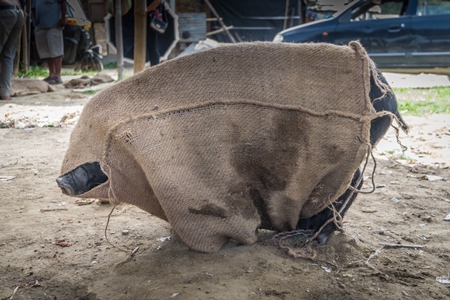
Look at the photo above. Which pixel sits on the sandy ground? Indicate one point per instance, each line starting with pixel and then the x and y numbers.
pixel 54 247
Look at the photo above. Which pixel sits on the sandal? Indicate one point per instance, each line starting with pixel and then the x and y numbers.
pixel 47 79
pixel 53 80
pixel 57 80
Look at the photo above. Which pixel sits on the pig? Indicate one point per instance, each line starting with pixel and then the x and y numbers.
pixel 89 175
pixel 378 128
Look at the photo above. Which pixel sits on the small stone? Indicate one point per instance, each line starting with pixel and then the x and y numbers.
pixel 328 270
pixel 368 209
pixel 395 200
pixel 432 178
pixel 443 279
pixel 125 232
pixel 428 219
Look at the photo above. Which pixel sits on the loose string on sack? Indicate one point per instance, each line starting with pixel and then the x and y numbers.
pixel 402 125
pixel 361 176
pixel 112 196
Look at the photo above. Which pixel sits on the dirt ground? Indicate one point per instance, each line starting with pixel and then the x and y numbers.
pixel 54 247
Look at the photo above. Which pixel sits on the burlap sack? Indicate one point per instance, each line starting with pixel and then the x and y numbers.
pixel 226 141
pixel 86 81
pixel 29 86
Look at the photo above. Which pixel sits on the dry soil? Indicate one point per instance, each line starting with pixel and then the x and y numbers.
pixel 54 247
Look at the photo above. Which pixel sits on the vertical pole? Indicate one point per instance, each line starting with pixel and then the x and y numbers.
pixel 119 38
pixel 16 61
pixel 286 13
pixel 25 56
pixel 29 32
pixel 140 35
pixel 300 12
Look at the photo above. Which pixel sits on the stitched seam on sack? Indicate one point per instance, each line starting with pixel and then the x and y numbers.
pixel 224 104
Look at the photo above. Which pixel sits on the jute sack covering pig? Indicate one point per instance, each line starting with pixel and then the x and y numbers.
pixel 224 142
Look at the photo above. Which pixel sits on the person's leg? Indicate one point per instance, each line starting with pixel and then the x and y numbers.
pixel 51 67
pixel 54 67
pixel 42 46
pixel 57 66
pixel 11 22
pixel 152 47
pixel 56 45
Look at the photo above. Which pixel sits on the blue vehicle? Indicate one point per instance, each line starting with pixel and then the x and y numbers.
pixel 410 35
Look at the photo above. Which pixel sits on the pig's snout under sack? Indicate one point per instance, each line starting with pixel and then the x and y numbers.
pixel 224 142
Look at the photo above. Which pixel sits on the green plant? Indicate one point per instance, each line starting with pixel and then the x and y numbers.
pixel 423 101
pixel 34 71
pixel 76 73
pixel 110 65
pixel 91 92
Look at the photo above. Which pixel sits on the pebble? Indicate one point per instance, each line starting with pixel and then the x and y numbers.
pixel 328 270
pixel 432 178
pixel 368 209
pixel 125 232
pixel 395 200
pixel 447 218
pixel 443 279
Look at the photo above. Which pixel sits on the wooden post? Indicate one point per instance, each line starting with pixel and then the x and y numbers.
pixel 28 42
pixel 119 38
pixel 16 61
pixel 300 12
pixel 140 35
pixel 25 51
pixel 286 13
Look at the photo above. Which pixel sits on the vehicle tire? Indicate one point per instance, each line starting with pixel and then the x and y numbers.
pixel 98 65
pixel 91 63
